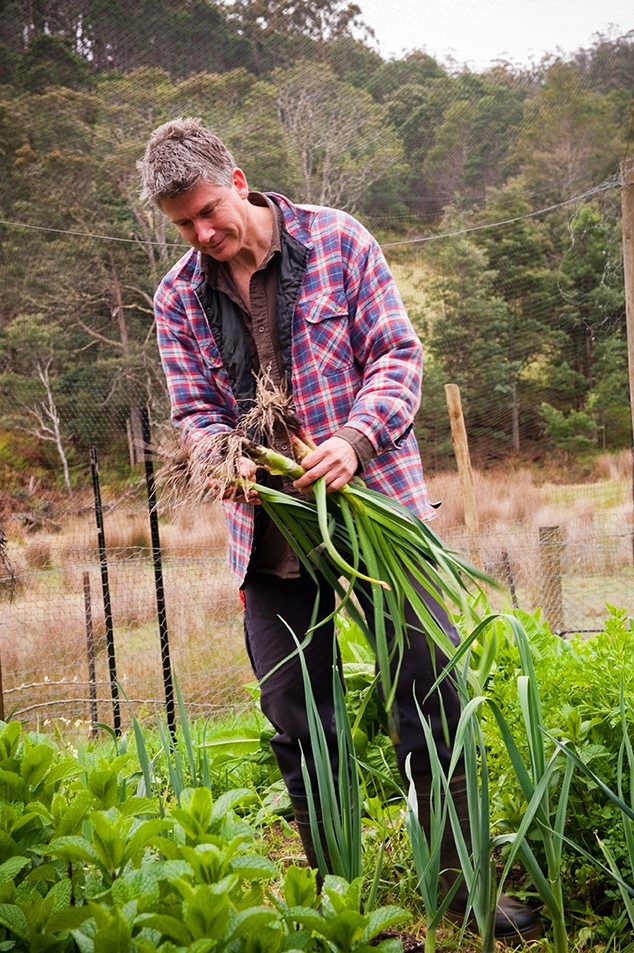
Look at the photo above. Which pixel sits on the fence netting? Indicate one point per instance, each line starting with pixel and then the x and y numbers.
pixel 497 198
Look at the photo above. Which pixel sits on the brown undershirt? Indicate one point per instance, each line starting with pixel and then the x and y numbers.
pixel 271 553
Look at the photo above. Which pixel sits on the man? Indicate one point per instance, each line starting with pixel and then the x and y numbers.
pixel 304 295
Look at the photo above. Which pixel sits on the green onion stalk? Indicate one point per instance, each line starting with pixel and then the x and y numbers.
pixel 358 534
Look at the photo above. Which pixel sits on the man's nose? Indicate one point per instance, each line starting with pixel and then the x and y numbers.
pixel 204 231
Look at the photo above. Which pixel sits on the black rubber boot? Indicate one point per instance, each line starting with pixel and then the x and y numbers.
pixel 302 822
pixel 514 921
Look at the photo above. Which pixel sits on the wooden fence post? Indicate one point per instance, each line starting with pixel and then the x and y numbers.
pixel 463 460
pixel 627 210
pixel 551 546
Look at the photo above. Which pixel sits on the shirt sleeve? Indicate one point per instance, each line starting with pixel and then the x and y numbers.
pixel 360 444
pixel 385 346
pixel 201 400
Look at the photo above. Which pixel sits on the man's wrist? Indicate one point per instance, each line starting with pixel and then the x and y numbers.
pixel 360 444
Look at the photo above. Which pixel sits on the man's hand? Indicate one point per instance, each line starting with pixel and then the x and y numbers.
pixel 335 459
pixel 240 493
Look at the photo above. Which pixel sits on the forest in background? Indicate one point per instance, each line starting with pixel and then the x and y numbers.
pixel 495 195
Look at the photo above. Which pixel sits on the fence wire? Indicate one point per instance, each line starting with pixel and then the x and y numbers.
pixel 53 631
pixel 496 197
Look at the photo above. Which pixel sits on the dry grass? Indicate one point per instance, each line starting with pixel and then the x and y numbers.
pixel 614 466
pixel 43 635
pixel 595 521
pixel 43 639
pixel 196 530
pixel 500 498
pixel 38 555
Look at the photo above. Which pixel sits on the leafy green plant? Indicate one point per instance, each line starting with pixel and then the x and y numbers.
pixel 208 844
pixel 535 780
pixel 623 798
pixel 340 921
pixel 474 844
pixel 579 683
pixel 426 846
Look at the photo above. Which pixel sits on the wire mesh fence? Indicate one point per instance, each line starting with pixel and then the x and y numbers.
pixel 497 200
pixel 54 639
pixel 54 646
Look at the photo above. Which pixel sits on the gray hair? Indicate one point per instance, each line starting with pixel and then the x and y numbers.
pixel 180 154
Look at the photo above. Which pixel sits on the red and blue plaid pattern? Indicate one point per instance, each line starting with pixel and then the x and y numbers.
pixel 355 358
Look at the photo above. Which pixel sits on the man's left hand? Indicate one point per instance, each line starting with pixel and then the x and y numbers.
pixel 335 459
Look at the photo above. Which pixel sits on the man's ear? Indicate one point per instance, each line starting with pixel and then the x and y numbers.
pixel 240 182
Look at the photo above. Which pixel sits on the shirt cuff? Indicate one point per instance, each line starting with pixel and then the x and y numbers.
pixel 360 444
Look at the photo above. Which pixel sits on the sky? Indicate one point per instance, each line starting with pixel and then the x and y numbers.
pixel 475 33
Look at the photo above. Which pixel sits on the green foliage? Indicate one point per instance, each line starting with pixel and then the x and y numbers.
pixel 89 860
pixel 580 684
pixel 623 798
pixel 50 61
pixel 571 432
pixel 87 866
pixel 607 402
pixel 573 148
pixel 339 137
pixel 311 109
pixel 340 920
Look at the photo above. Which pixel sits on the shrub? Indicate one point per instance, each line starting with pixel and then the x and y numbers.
pixel 580 683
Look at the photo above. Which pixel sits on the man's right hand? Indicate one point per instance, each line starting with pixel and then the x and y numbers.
pixel 240 493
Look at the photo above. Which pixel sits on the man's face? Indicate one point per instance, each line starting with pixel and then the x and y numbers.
pixel 212 218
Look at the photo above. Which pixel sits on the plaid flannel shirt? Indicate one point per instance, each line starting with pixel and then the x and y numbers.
pixel 355 359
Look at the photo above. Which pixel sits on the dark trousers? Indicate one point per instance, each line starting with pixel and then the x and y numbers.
pixel 274 609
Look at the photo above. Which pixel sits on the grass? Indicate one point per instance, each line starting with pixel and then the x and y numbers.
pixel 43 628
pixel 203 617
pixel 595 518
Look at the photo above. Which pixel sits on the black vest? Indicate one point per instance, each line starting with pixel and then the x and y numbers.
pixel 229 330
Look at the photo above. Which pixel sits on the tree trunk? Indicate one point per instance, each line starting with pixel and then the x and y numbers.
pixel 515 419
pixel 53 429
pixel 135 433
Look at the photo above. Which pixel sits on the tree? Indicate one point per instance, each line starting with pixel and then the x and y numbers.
pixel 592 305
pixel 322 21
pixel 415 69
pixel 608 64
pixel 182 38
pixel 570 138
pixel 469 338
pixel 51 61
pixel 281 32
pixel 77 177
pixel 608 401
pixel 414 110
pixel 469 145
pixel 34 355
pixel 518 253
pixel 341 139
pixel 572 433
pixel 456 131
pixel 353 61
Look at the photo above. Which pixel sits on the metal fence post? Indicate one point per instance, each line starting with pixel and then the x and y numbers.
pixel 90 648
pixel 158 574
pixel 105 585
